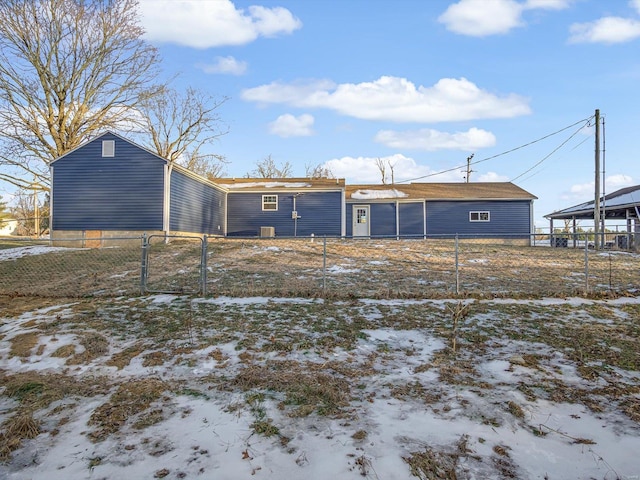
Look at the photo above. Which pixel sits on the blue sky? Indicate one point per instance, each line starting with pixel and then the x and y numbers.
pixel 422 84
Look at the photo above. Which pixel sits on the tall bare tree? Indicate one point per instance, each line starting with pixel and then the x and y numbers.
pixel 69 69
pixel 382 167
pixel 178 126
pixel 267 168
pixel 318 171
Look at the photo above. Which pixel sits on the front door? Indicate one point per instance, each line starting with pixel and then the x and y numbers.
pixel 361 220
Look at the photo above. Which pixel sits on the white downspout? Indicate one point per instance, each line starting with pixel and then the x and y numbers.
pixel 166 221
pixel 397 220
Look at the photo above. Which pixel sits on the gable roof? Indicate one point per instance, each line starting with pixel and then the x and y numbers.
pixel 439 191
pixel 614 205
pixel 108 132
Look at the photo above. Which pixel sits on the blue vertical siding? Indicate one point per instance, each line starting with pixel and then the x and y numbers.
pixel 382 218
pixel 506 217
pixel 195 206
pixel 411 218
pixel 124 192
pixel 320 213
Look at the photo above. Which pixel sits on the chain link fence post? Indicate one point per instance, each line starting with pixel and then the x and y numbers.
pixel 457 267
pixel 203 266
pixel 324 265
pixel 144 264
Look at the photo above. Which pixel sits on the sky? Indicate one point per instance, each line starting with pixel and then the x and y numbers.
pixel 421 85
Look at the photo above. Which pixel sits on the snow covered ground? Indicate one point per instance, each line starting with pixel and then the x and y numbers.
pixel 175 387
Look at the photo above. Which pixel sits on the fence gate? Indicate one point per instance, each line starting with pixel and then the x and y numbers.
pixel 174 264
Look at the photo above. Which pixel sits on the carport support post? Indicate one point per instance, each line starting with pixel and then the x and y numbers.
pixel 143 265
pixel 586 267
pixel 203 266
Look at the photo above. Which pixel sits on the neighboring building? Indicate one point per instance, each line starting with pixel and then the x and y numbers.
pixel 623 204
pixel 431 209
pixel 8 227
pixel 111 187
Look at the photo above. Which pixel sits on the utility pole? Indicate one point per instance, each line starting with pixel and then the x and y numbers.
pixel 469 167
pixel 596 205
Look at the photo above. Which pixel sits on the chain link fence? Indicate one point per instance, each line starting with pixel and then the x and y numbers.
pixel 433 267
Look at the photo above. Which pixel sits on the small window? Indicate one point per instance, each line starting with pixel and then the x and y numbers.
pixel 108 148
pixel 479 216
pixel 270 202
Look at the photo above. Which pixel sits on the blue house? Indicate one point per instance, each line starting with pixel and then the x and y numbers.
pixel 111 187
pixel 440 209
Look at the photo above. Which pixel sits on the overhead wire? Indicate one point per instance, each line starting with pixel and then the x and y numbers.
pixel 584 122
pixel 546 157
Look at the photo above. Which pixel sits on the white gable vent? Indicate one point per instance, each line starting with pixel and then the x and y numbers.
pixel 108 148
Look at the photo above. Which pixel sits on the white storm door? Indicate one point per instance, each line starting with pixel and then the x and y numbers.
pixel 361 220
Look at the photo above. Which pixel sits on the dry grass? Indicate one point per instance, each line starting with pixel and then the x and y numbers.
pixel 22 345
pixel 432 465
pixel 95 345
pixel 124 357
pixel 129 400
pixel 36 390
pixel 306 391
pixel 17 428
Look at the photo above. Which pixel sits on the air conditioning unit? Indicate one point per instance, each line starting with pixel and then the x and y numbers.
pixel 267 231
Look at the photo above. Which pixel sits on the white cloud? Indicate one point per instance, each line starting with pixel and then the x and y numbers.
pixel 584 192
pixel 225 65
pixel 480 18
pixel 489 177
pixel 547 4
pixel 217 23
pixel 432 140
pixel 606 30
pixel 289 126
pixel 394 99
pixel 364 170
pixel 635 4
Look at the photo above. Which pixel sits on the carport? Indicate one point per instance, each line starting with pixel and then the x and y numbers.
pixel 623 204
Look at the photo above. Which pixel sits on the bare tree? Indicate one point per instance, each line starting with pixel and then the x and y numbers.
pixel 318 171
pixel 4 213
pixel 392 167
pixel 69 70
pixel 382 167
pixel 179 126
pixel 31 211
pixel 267 168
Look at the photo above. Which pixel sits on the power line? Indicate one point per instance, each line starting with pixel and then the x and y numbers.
pixel 547 156
pixel 584 120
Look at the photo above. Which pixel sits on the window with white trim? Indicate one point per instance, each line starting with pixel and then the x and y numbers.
pixel 270 202
pixel 479 216
pixel 108 148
